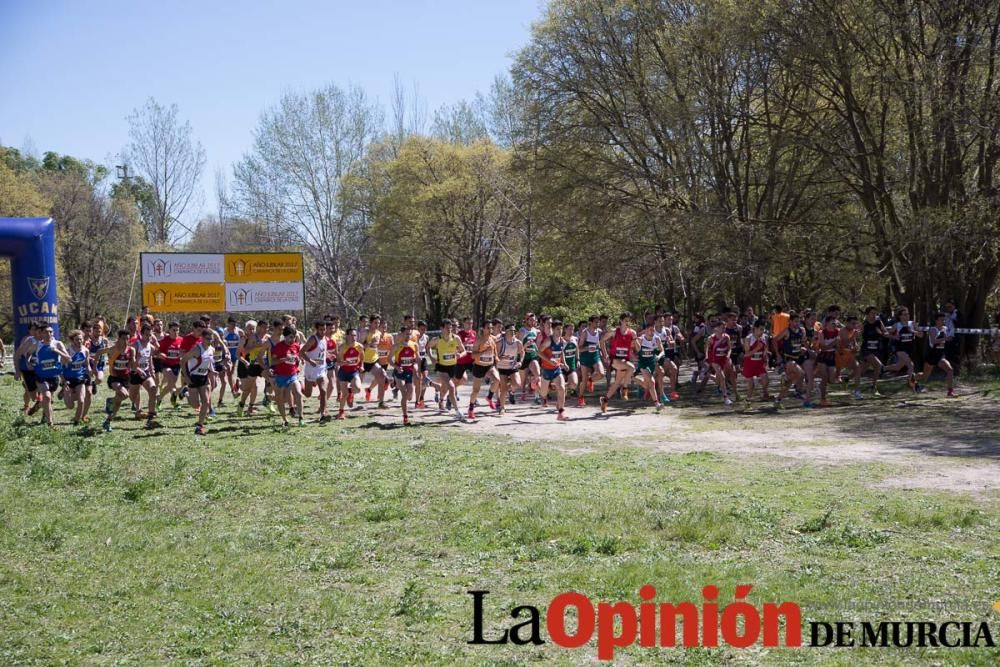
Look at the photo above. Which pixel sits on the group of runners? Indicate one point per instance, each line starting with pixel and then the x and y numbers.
pixel 544 360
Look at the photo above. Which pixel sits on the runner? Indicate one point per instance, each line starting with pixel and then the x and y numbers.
pixel 422 379
pixel 671 339
pixel 232 335
pixel 251 353
pixel 756 349
pixel 847 348
pixel 334 340
pixel 530 368
pixel 118 379
pixel 826 358
pixel 591 366
pixel 553 365
pixel 98 346
pixel 381 368
pixel 719 348
pixel 77 375
pixel 314 366
pixel 24 368
pixel 168 355
pixel 699 337
pixel 50 357
pixel 571 354
pixel 447 348
pixel 937 342
pixel 371 341
pixel 350 357
pixel 196 364
pixel 616 345
pixel 510 355
pixel 405 360
pixel 902 335
pixel 872 332
pixel 467 334
pixel 141 375
pixel 792 352
pixel 484 352
pixel 285 371
pixel 649 348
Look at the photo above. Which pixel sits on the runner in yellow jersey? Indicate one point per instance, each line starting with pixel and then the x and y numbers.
pixel 447 349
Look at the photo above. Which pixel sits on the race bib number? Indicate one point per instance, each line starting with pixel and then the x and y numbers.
pixel 173 353
pixel 621 353
pixel 406 362
pixel 486 358
pixel 448 356
pixel 757 356
pixel 872 345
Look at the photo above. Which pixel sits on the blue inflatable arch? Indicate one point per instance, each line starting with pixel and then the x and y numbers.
pixel 30 244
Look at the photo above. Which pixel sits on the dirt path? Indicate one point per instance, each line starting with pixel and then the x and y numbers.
pixel 930 442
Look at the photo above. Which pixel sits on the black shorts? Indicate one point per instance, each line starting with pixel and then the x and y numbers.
pixel 346 376
pixel 368 366
pixel 52 384
pixel 255 370
pixel 136 379
pixel 450 371
pixel 668 355
pixel 479 371
pixel 158 365
pixel 73 384
pixel 827 360
pixel 865 353
pixel 507 372
pixel 220 366
pixel 175 369
pixel 242 371
pixel 463 369
pixel 30 380
pixel 115 381
pixel 196 381
pixel 527 362
pixel 423 364
pixel 934 356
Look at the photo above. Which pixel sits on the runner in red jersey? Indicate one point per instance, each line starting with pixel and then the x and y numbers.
pixel 467 334
pixel 169 353
pixel 756 350
pixel 285 371
pixel 617 346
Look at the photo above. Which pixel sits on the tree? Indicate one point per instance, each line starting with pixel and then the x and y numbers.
pixel 291 182
pixel 163 152
pixel 451 211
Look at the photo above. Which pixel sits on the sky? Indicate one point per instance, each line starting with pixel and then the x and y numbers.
pixel 72 71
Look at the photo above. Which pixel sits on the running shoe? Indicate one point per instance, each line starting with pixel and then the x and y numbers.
pixel 368 395
pixel 824 403
pixel 604 404
pixel 109 405
pixel 951 393
pixel 581 401
pixel 472 414
pixel 340 415
pixel 406 420
pixel 270 409
pixel 674 396
pixel 173 399
pixel 562 416
pixel 350 399
pixel 876 393
pixel 381 404
pixel 919 388
pixel 664 399
pixel 301 422
pixel 807 404
pixel 106 426
pixel 727 400
pixel 458 413
pixel 211 411
pixel 421 405
pixel 857 395
pixel 199 429
pixel 221 403
pixel 492 404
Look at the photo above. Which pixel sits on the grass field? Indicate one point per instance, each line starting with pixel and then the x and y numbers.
pixel 356 543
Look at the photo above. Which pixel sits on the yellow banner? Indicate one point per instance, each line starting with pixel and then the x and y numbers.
pixel 263 267
pixel 184 297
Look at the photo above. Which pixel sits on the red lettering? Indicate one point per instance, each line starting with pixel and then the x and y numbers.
pixel 555 620
pixel 607 640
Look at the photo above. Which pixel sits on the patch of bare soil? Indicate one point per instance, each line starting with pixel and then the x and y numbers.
pixel 930 441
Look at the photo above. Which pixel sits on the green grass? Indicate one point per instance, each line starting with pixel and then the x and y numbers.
pixel 353 545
